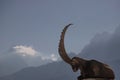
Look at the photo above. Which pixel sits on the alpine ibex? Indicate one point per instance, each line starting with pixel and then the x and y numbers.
pixel 89 68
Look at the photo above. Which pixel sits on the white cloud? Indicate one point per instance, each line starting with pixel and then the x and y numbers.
pixel 32 56
pixel 54 57
pixel 25 50
pixel 51 57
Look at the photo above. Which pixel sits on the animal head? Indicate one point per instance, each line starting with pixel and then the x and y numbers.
pixel 75 64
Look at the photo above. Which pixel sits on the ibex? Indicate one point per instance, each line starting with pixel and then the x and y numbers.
pixel 90 69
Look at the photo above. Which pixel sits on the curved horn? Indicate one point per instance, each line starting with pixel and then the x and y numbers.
pixel 61 48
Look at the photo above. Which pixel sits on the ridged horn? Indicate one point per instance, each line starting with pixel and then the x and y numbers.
pixel 61 49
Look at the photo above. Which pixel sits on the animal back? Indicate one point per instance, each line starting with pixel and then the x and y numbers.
pixel 97 79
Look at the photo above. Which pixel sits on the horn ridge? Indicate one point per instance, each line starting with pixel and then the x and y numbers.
pixel 61 49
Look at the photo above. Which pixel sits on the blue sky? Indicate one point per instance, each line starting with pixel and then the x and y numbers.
pixel 38 23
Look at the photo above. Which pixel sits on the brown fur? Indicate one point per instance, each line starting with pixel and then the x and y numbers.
pixel 88 68
pixel 92 69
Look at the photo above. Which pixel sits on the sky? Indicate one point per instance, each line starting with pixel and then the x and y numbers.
pixel 35 25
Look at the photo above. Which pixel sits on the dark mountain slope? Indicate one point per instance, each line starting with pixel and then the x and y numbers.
pixel 52 71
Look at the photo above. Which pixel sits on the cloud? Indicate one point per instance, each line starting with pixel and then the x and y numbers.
pixel 54 57
pixel 25 50
pixel 20 56
pixel 104 46
pixel 32 56
pixel 51 57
